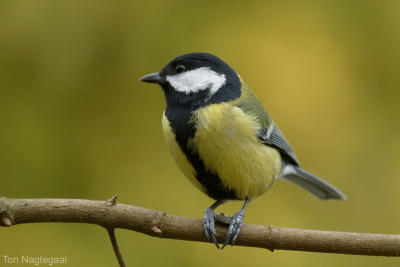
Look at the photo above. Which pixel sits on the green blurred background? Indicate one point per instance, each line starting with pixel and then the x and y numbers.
pixel 77 123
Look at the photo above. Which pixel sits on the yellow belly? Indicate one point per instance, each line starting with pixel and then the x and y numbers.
pixel 225 140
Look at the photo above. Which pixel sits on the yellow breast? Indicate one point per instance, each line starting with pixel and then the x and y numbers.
pixel 226 141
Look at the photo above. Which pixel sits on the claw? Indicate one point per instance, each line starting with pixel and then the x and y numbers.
pixel 209 226
pixel 234 228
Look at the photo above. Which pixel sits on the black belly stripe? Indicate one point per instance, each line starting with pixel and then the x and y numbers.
pixel 211 181
pixel 183 130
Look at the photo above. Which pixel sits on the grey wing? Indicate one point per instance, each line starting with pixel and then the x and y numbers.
pixel 274 137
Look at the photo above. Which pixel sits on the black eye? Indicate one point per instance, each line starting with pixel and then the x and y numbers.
pixel 180 69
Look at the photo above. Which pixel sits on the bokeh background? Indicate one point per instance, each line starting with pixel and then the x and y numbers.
pixel 75 122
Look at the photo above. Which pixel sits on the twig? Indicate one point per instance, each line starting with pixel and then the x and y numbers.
pixel 111 234
pixel 160 224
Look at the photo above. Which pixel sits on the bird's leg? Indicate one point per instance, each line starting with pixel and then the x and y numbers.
pixel 235 225
pixel 209 222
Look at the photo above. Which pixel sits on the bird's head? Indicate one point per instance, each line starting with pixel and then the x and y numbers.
pixel 197 79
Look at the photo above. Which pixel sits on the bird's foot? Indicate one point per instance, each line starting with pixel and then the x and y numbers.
pixel 234 228
pixel 209 226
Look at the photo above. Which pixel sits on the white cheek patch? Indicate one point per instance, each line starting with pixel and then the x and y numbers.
pixel 196 80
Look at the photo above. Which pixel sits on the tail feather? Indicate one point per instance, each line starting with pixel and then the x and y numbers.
pixel 311 183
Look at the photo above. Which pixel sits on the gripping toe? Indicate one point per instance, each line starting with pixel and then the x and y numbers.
pixel 209 226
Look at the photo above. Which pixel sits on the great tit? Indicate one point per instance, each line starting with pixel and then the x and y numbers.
pixel 222 138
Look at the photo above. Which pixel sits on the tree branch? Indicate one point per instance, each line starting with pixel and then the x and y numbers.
pixel 160 224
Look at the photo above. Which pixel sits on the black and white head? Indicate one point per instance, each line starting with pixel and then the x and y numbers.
pixel 196 79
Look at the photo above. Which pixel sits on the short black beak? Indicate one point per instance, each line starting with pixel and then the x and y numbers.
pixel 151 78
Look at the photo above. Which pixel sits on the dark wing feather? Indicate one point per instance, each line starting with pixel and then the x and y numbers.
pixel 274 137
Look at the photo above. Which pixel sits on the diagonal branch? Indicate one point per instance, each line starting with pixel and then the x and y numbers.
pixel 117 252
pixel 160 224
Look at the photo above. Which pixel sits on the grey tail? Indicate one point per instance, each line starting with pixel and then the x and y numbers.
pixel 310 182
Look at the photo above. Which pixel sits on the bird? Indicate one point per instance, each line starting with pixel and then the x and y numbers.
pixel 223 140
